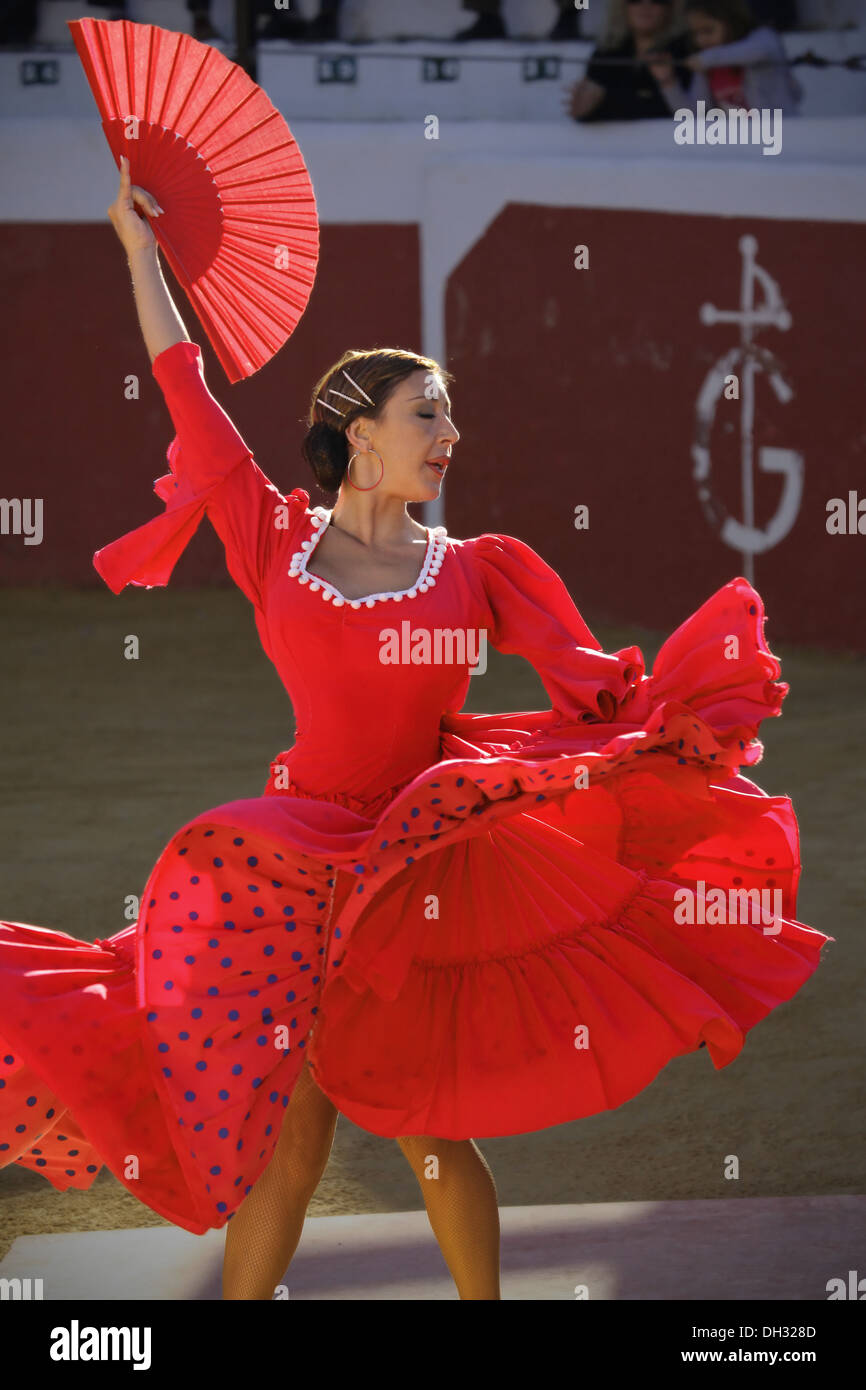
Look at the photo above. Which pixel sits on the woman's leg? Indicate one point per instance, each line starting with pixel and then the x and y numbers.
pixel 460 1197
pixel 263 1234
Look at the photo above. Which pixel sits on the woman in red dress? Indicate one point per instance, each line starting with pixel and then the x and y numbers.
pixel 440 924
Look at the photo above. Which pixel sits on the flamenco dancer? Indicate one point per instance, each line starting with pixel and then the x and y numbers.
pixel 439 924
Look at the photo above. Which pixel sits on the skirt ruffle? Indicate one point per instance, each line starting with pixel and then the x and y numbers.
pixel 493 947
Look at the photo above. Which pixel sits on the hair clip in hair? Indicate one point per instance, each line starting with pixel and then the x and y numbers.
pixel 357 388
pixel 332 391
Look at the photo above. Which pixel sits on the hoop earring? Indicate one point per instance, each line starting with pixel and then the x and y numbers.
pixel 372 485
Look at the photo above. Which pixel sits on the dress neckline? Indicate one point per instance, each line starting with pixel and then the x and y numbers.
pixel 320 518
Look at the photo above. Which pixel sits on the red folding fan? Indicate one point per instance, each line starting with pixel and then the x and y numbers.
pixel 240 229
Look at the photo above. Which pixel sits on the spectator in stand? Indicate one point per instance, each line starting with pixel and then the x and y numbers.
pixel 491 25
pixel 739 63
pixel 617 86
pixel 19 20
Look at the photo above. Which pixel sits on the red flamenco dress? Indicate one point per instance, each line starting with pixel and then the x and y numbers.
pixel 465 922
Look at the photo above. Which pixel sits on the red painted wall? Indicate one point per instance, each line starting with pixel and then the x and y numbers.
pixel 72 439
pixel 579 386
pixel 573 386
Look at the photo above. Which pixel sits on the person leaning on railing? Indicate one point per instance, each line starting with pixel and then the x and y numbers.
pixel 739 63
pixel 617 86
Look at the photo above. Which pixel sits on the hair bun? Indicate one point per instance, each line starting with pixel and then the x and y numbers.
pixel 324 448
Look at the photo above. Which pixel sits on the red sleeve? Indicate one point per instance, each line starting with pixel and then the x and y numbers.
pixel 211 470
pixel 531 614
pixel 716 663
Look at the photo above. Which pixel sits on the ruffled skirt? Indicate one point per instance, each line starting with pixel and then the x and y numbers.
pixel 525 933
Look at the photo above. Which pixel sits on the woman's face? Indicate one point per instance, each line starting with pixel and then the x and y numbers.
pixel 646 17
pixel 413 429
pixel 706 32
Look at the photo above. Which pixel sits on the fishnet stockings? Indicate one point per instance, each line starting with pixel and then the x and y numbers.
pixel 455 1180
pixel 460 1196
pixel 263 1234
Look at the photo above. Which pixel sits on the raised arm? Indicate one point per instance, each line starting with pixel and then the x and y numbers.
pixel 212 468
pixel 161 324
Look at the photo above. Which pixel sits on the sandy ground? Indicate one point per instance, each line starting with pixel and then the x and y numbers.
pixel 104 758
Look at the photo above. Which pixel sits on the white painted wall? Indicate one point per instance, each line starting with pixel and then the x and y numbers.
pixel 60 170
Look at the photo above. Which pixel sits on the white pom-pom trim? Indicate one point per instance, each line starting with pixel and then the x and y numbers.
pixel 319 519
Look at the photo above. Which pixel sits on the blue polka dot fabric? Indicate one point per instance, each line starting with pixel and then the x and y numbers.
pixel 176 1044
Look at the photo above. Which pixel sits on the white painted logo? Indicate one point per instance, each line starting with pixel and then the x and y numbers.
pixel 743 363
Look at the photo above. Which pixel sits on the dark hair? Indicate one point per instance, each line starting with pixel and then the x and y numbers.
pixel 734 14
pixel 374 373
pixel 616 26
